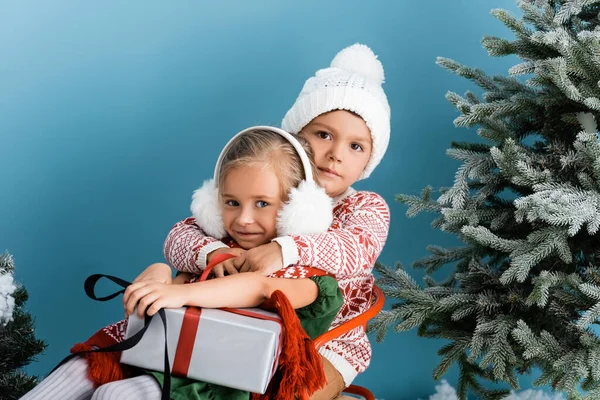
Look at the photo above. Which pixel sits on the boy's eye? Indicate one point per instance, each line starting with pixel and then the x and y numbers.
pixel 323 135
pixel 356 147
pixel 232 203
pixel 261 204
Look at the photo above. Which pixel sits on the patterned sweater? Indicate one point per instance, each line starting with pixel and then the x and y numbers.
pixel 348 250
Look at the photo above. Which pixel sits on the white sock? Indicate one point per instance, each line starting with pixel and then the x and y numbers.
pixel 143 387
pixel 69 382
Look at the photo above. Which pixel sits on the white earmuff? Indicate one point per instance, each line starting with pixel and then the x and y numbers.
pixel 205 208
pixel 308 210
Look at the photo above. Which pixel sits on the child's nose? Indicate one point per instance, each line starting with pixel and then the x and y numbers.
pixel 246 216
pixel 335 153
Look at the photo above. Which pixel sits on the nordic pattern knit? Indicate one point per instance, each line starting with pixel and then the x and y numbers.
pixel 348 250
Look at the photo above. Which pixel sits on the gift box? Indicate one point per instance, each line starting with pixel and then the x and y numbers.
pixel 236 348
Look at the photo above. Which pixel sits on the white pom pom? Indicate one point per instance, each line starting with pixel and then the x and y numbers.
pixel 360 59
pixel 205 208
pixel 308 210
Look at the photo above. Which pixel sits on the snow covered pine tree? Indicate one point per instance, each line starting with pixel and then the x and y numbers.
pixel 524 291
pixel 18 345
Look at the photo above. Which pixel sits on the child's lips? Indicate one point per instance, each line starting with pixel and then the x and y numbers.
pixel 329 172
pixel 247 233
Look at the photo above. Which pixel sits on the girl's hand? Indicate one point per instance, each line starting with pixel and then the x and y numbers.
pixel 158 272
pixel 227 265
pixel 152 296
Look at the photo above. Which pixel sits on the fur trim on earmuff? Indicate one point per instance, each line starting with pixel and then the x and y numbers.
pixel 308 210
pixel 205 208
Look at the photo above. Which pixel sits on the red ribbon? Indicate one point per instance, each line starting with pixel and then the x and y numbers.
pixel 187 338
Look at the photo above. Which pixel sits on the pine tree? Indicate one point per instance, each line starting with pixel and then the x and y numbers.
pixel 18 345
pixel 523 290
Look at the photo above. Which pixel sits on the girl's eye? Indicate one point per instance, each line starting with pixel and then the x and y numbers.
pixel 323 135
pixel 232 203
pixel 356 147
pixel 261 204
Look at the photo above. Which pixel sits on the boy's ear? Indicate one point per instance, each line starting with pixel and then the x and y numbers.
pixel 308 210
pixel 205 208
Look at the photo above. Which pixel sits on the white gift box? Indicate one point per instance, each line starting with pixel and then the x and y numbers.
pixel 212 345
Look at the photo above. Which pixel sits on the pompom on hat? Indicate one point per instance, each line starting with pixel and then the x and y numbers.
pixel 353 83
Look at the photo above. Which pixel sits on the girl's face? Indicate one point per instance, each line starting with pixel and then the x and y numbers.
pixel 250 200
pixel 342 145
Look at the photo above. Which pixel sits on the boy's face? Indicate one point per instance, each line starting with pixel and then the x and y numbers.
pixel 342 145
pixel 250 200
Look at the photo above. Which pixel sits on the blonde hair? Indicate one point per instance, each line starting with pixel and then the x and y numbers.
pixel 267 148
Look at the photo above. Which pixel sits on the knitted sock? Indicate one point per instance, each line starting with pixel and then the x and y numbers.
pixel 143 387
pixel 69 382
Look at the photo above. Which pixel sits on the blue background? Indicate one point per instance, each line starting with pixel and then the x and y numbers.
pixel 112 113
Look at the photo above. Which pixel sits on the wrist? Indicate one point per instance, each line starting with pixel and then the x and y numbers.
pixel 214 252
pixel 288 249
pixel 210 255
pixel 279 250
pixel 207 252
pixel 188 294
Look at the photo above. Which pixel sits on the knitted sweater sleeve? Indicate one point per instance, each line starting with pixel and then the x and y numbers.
pixel 187 245
pixel 354 240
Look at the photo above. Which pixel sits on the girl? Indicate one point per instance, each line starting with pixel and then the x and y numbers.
pixel 344 114
pixel 258 178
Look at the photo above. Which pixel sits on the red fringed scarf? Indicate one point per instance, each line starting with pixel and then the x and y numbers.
pixel 300 371
pixel 105 367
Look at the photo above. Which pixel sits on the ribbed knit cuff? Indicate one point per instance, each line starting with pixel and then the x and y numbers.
pixel 289 250
pixel 341 364
pixel 201 260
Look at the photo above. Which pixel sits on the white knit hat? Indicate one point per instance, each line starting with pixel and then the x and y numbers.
pixel 353 83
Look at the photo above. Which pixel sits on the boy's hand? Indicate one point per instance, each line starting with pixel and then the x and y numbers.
pixel 153 296
pixel 227 265
pixel 264 259
pixel 158 272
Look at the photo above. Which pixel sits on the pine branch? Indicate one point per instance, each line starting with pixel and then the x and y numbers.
pixel 419 204
pixel 441 257
pixel 523 291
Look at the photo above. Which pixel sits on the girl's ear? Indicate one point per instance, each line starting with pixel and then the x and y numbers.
pixel 308 210
pixel 205 208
